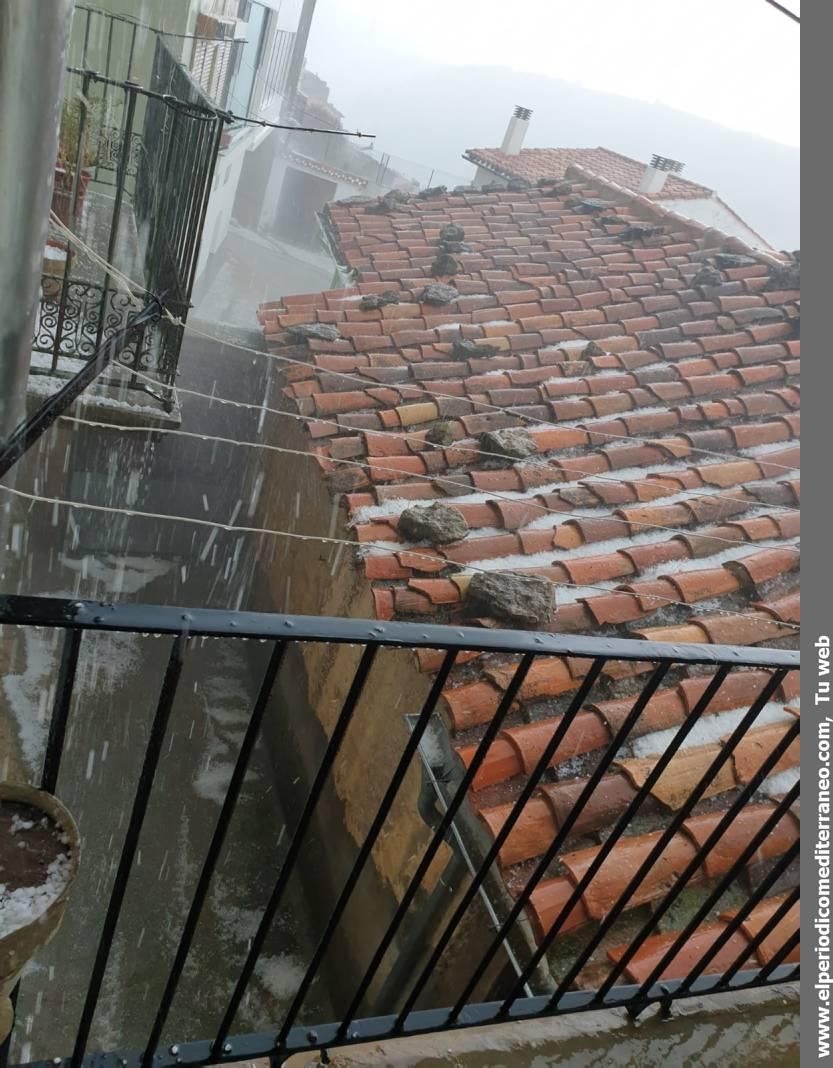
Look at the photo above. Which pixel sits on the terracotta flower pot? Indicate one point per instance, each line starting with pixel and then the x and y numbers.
pixel 20 944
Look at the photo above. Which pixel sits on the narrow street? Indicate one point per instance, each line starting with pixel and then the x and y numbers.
pixel 103 557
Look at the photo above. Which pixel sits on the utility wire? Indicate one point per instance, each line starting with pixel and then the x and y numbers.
pixel 212 112
pixel 217 40
pixel 784 10
pixel 586 476
pixel 408 474
pixel 433 478
pixel 363 382
pixel 416 388
pixel 60 502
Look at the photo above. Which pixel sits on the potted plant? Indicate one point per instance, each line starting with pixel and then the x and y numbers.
pixel 70 133
pixel 39 852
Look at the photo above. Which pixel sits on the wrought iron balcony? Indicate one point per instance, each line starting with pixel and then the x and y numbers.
pixel 132 183
pixel 485 994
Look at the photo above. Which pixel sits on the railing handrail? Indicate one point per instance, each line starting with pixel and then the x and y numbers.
pixel 217 622
pixel 524 999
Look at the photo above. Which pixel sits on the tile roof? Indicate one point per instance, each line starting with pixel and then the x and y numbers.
pixel 533 164
pixel 656 374
pixel 655 948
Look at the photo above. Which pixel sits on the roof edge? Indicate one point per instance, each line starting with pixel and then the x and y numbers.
pixel 655 210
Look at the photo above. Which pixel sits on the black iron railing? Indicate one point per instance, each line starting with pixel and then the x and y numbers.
pixel 510 994
pixel 132 183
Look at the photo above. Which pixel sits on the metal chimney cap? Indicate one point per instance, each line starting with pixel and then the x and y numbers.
pixel 663 163
pixel 522 113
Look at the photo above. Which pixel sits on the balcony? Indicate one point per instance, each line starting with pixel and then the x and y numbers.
pixel 691 889
pixel 132 183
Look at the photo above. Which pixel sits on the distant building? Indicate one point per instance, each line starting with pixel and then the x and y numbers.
pixel 660 180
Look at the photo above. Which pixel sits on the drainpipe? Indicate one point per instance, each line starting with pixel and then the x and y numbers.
pixel 33 45
pixel 296 61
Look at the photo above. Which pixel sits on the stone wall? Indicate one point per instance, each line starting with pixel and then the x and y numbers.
pixel 311 578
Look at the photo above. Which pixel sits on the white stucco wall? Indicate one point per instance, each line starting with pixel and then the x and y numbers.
pixel 221 201
pixel 712 212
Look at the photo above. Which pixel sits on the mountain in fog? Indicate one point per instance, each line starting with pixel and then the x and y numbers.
pixel 432 116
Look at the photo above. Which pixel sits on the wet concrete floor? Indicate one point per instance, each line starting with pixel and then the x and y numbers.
pixel 80 554
pixel 726 1031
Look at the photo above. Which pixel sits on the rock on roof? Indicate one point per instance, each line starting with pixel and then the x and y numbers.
pixel 650 367
pixel 533 164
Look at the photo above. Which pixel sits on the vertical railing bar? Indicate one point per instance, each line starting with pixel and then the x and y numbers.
pixel 733 810
pixel 194 165
pixel 196 186
pixel 532 782
pixel 105 90
pixel 370 840
pixel 749 851
pixel 174 222
pixel 154 253
pixel 777 958
pixel 86 39
pixel 121 177
pixel 198 164
pixel 73 206
pixel 445 822
pixel 765 931
pixel 624 820
pixel 131 841
pixel 554 848
pixel 287 868
pixel 60 712
pixel 205 193
pixel 676 822
pixel 215 847
pixel 130 54
pixel 735 922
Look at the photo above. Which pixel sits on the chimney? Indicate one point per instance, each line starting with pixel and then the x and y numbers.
pixel 513 139
pixel 656 173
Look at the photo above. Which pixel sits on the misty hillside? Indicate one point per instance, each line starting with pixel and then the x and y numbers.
pixel 433 116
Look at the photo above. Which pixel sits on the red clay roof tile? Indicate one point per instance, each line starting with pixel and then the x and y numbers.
pixel 541 283
pixel 654 949
pixel 777 938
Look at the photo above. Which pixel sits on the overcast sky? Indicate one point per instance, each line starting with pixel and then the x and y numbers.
pixel 735 62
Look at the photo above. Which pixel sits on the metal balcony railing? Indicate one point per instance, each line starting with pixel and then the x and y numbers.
pixel 132 183
pixel 511 994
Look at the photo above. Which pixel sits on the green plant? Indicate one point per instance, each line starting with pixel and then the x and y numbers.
pixel 75 124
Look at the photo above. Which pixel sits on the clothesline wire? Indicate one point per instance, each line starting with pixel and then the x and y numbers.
pixel 434 478
pixel 322 539
pixel 440 479
pixel 587 476
pixel 189 328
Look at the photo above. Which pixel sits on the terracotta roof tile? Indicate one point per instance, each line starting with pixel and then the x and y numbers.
pixel 535 163
pixel 630 852
pixel 621 369
pixel 784 930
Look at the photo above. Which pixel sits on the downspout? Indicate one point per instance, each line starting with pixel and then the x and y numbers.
pixel 296 62
pixel 33 44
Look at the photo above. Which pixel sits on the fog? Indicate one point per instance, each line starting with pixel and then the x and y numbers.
pixel 715 85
